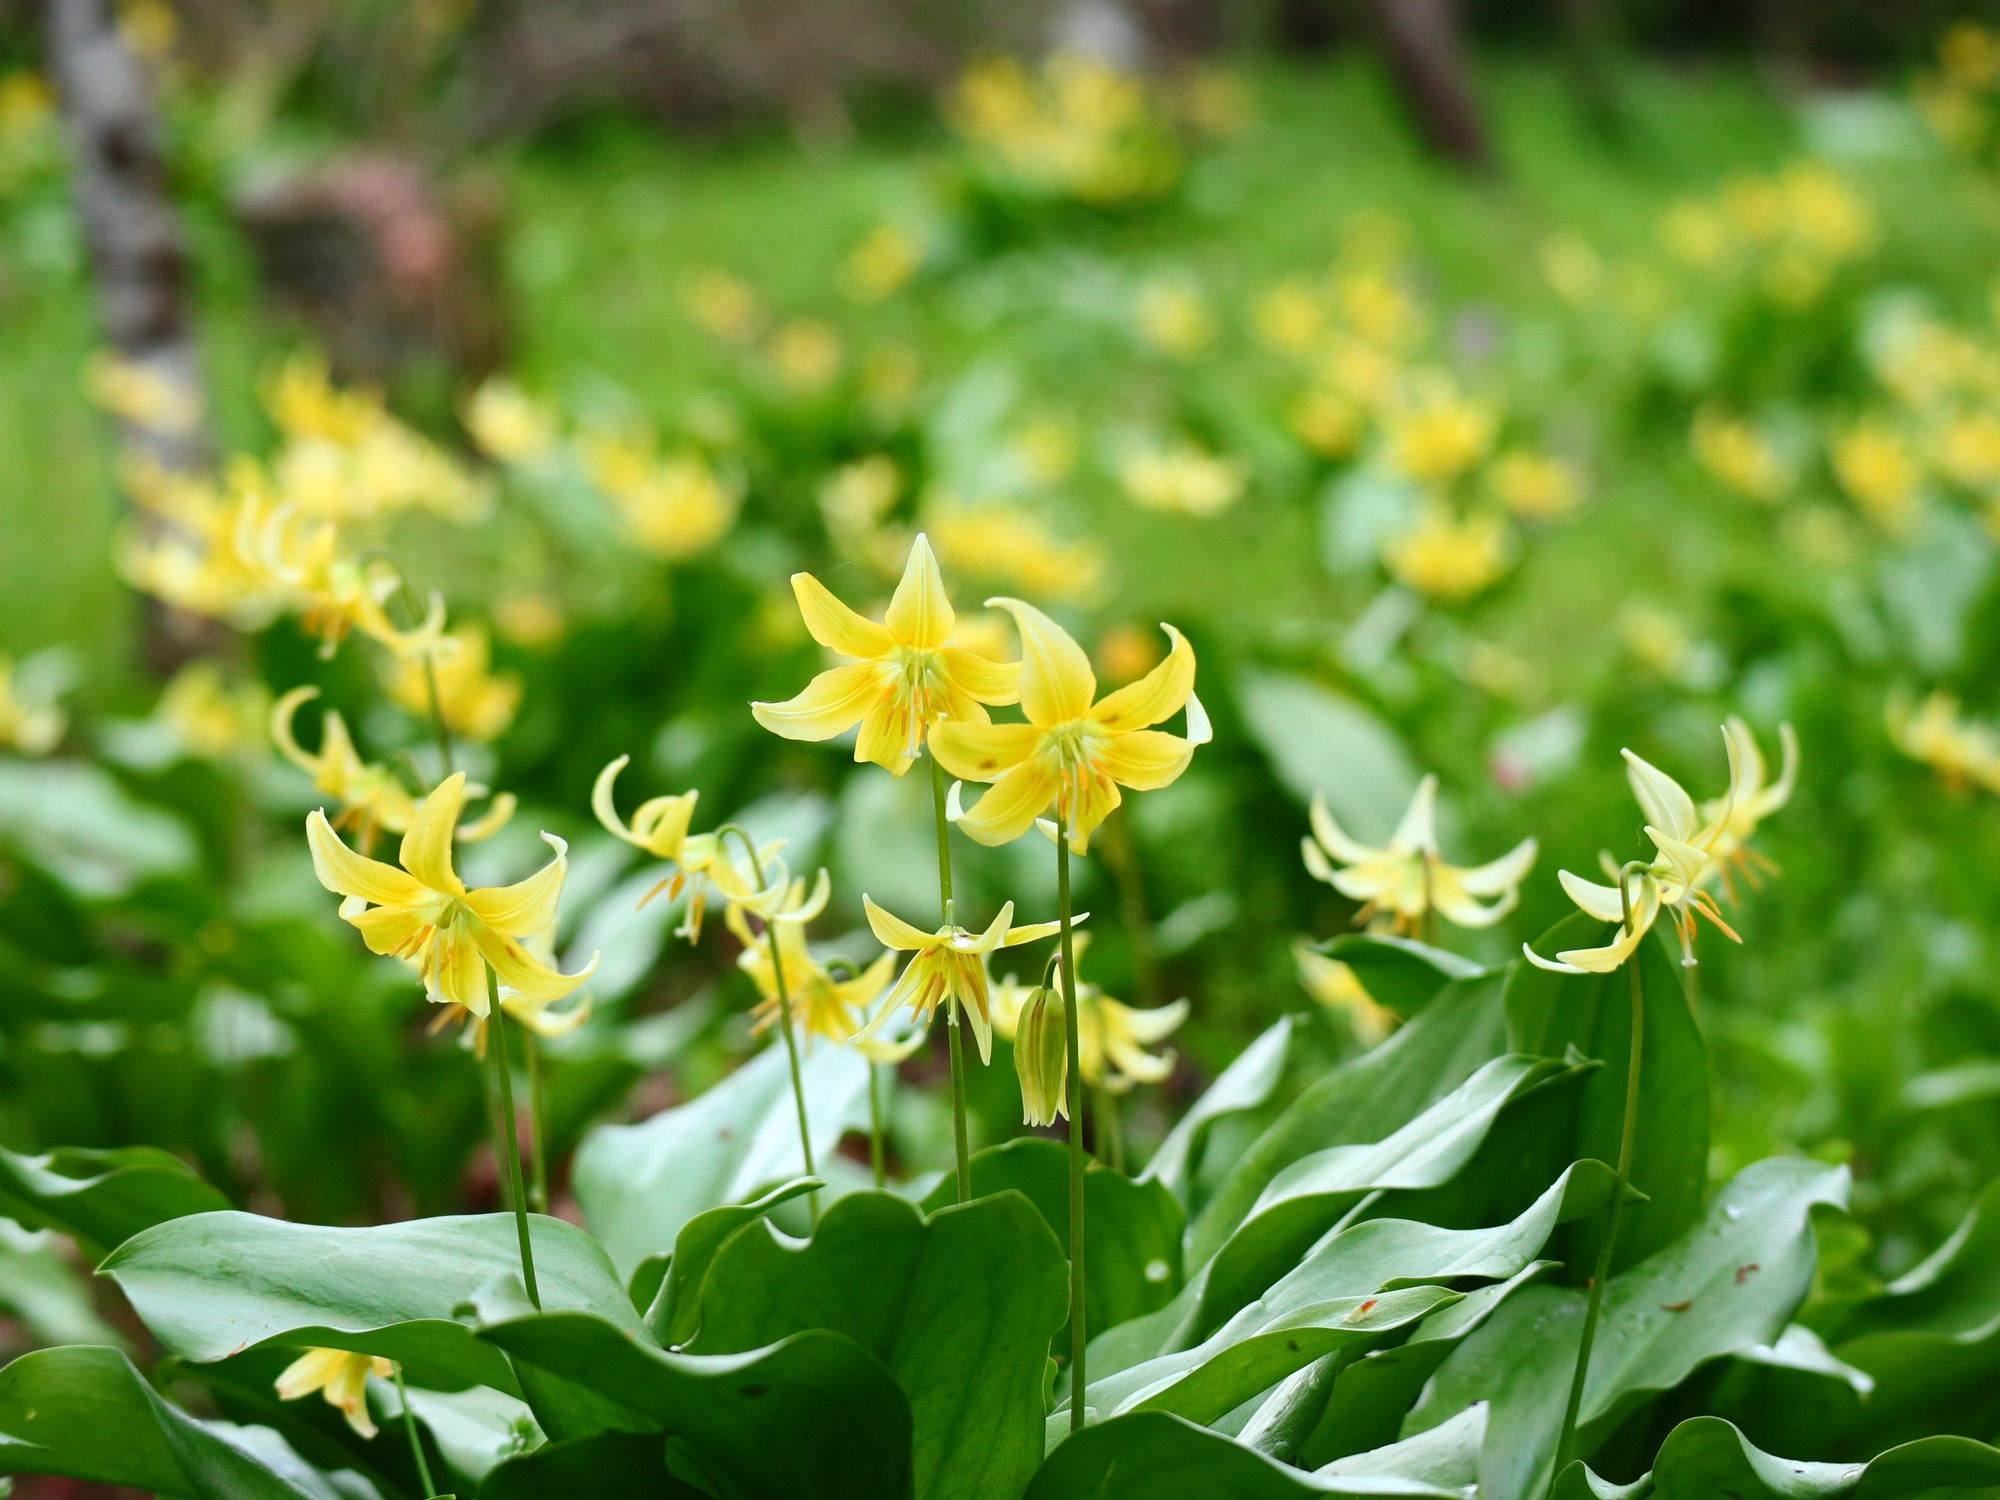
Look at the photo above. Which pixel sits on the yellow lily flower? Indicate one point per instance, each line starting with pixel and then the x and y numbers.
pixel 660 828
pixel 537 1016
pixel 1112 1037
pixel 477 702
pixel 332 592
pixel 820 1004
pixel 1071 753
pixel 904 678
pixel 1754 802
pixel 341 1376
pixel 424 915
pixel 211 717
pixel 1671 883
pixel 950 966
pixel 1407 878
pixel 31 728
pixel 1936 733
pixel 1337 987
pixel 508 424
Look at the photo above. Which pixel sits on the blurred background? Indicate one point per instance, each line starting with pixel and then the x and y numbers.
pixel 1482 389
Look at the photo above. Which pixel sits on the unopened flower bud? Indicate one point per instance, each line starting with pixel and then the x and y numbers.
pixel 1041 1057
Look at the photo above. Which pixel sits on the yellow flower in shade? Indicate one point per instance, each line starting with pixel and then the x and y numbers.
pixel 1880 474
pixel 424 914
pixel 1327 421
pixel 660 828
pixel 904 677
pixel 883 263
pixel 28 726
pixel 1449 558
pixel 1407 878
pixel 1535 486
pixel 341 1376
pixel 477 702
pixel 1671 882
pixel 1181 477
pixel 1112 1037
pixel 949 967
pixel 509 426
pixel 1337 987
pixel 1290 317
pixel 675 507
pixel 1740 456
pixel 332 592
pixel 1072 753
pixel 821 1005
pixel 208 716
pixel 1936 733
pixel 1754 800
pixel 806 356
pixel 1172 316
pixel 1441 436
pixel 725 306
pixel 1968 450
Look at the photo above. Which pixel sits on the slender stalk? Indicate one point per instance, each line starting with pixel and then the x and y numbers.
pixel 538 1130
pixel 1110 1138
pixel 410 1426
pixel 1566 1444
pixel 438 725
pixel 1078 1334
pixel 946 905
pixel 875 1160
pixel 497 1029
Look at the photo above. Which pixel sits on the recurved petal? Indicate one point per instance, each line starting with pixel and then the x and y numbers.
pixel 891 931
pixel 346 873
pixel 837 627
pixel 1457 905
pixel 886 736
pixel 982 752
pixel 919 613
pixel 1335 839
pixel 1503 874
pixel 832 704
pixel 529 978
pixel 602 804
pixel 1601 901
pixel 1154 1025
pixel 1160 694
pixel 528 906
pixel 1010 806
pixel 981 677
pixel 1145 759
pixel 1664 801
pixel 1056 681
pixel 1035 931
pixel 426 851
pixel 1417 832
pixel 812 905
pixel 282 713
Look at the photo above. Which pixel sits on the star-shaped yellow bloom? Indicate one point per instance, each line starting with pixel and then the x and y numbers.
pixel 904 678
pixel 822 1005
pixel 1671 883
pixel 1407 879
pixel 342 1376
pixel 1754 801
pixel 950 965
pixel 423 913
pixel 660 828
pixel 1072 753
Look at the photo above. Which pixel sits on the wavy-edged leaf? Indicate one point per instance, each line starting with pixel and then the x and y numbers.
pixel 101 1198
pixel 1249 1080
pixel 675 1314
pixel 1400 973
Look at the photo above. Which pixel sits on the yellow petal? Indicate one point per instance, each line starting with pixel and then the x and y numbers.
pixel 426 851
pixel 982 752
pixel 544 1022
pixel 920 614
pixel 1145 759
pixel 1335 840
pixel 282 713
pixel 1416 833
pixel 528 906
pixel 1161 693
pixel 981 677
pixel 457 976
pixel 389 930
pixel 832 704
pixel 1600 901
pixel 1056 681
pixel 499 812
pixel 994 935
pixel 1503 874
pixel 1011 805
pixel 837 627
pixel 889 735
pixel 891 931
pixel 346 873
pixel 308 1373
pixel 1664 801
pixel 529 978
pixel 1093 798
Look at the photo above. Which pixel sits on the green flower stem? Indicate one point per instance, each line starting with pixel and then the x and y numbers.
pixel 1566 1444
pixel 496 1028
pixel 875 1158
pixel 1110 1129
pixel 442 729
pixel 946 904
pixel 537 1123
pixel 1078 1335
pixel 410 1426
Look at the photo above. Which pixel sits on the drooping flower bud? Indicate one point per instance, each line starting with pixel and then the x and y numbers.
pixel 1041 1057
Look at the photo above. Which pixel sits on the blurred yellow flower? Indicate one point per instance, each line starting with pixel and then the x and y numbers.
pixel 510 426
pixel 474 700
pixel 27 104
pixel 724 305
pixel 1126 653
pixel 423 914
pixel 905 677
pixel 1336 986
pixel 806 355
pixel 1657 639
pixel 1173 317
pixel 1740 456
pixel 857 497
pixel 1182 478
pixel 304 402
pixel 197 560
pixel 820 1004
pixel 1448 558
pixel 1326 421
pixel 1290 317
pixel 1441 435
pixel 342 1377
pixel 949 968
pixel 529 618
pixel 1535 486
pixel 1970 54
pixel 660 828
pixel 29 725
pixel 142 394
pixel 370 796
pixel 1112 1037
pixel 883 263
pixel 1880 474
pixel 1696 235
pixel 1572 268
pixel 1963 753
pixel 1008 546
pixel 1082 130
pixel 1071 753
pixel 1375 306
pixel 676 508
pixel 1407 878
pixel 1047 449
pixel 209 716
pixel 332 592
pixel 1968 450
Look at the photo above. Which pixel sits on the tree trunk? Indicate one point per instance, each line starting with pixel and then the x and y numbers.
pixel 1429 66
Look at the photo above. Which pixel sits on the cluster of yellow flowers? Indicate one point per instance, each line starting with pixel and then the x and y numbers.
pixel 30 723
pixel 1959 99
pixel 27 127
pixel 1785 233
pixel 1081 130
pixel 1181 477
pixel 1964 753
pixel 803 355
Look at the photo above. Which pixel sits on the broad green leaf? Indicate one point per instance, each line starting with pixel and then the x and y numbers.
pixel 40 1286
pixel 213 1284
pixel 101 1198
pixel 675 1314
pixel 1321 741
pixel 1154 1456
pixel 960 1306
pixel 85 1413
pixel 1550 1013
pixel 1132 1250
pixel 1729 1283
pixel 812 1417
pixel 1245 1084
pixel 1706 1457
pixel 76 822
pixel 609 1464
pixel 1398 972
pixel 1363 1100
pixel 638 1184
